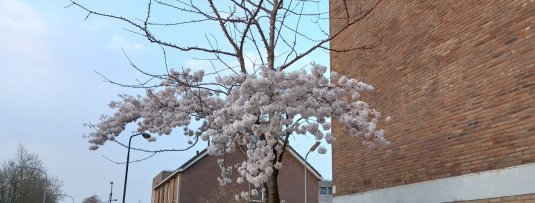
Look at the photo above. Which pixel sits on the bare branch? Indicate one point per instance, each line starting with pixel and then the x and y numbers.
pixel 322 42
pixel 137 160
pixel 237 49
pixel 151 38
pixel 159 150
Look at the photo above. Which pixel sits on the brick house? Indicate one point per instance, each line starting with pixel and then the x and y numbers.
pixel 458 79
pixel 197 179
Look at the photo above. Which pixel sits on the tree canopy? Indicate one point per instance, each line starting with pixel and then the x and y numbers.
pixel 250 108
pixel 25 179
pixel 92 199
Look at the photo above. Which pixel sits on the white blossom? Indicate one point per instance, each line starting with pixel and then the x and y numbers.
pixel 254 113
pixel 329 139
pixel 278 165
pixel 254 192
pixel 322 150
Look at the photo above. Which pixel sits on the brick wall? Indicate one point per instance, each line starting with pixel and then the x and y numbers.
pixel 166 192
pixel 160 177
pixel 199 182
pixel 201 179
pixel 458 79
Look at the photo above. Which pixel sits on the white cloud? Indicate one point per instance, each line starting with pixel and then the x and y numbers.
pixel 19 16
pixel 23 31
pixel 118 42
pixel 252 61
pixel 31 69
pixel 195 64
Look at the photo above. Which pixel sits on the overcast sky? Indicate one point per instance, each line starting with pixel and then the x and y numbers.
pixel 49 88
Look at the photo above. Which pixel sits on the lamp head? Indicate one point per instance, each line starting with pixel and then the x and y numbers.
pixel 145 135
pixel 315 146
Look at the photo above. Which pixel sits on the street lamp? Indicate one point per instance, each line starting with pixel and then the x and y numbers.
pixel 146 136
pixel 66 195
pixel 311 150
pixel 46 178
pixel 111 193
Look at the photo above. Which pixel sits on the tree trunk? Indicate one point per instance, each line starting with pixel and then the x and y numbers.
pixel 273 188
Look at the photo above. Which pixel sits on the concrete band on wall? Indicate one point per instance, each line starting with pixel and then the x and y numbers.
pixel 510 181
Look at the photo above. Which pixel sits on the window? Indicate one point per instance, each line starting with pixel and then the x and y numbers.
pixel 323 190
pixel 330 192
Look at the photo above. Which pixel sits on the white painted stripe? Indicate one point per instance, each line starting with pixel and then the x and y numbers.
pixel 517 180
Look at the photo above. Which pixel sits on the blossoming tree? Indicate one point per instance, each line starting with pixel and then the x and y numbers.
pixel 249 110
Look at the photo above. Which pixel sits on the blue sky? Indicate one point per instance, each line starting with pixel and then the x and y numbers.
pixel 49 88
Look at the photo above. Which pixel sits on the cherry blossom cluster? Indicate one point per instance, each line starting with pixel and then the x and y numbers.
pixel 252 114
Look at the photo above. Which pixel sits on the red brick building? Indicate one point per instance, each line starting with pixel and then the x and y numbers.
pixel 196 180
pixel 458 79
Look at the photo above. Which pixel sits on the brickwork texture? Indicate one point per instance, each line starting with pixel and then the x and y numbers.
pixel 458 79
pixel 200 181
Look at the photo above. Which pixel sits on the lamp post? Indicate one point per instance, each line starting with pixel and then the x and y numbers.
pixel 44 189
pixel 66 195
pixel 146 136
pixel 311 150
pixel 46 178
pixel 111 193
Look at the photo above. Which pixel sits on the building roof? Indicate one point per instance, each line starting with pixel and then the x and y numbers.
pixel 204 152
